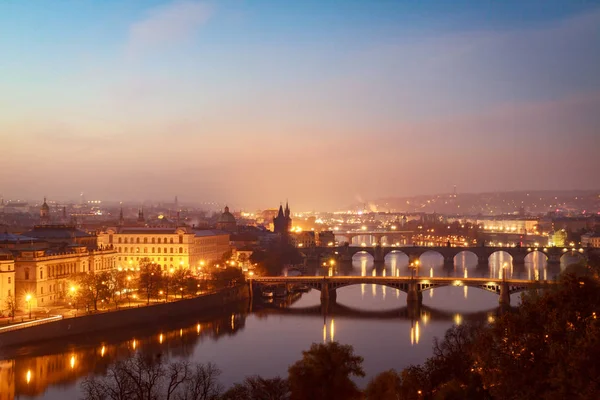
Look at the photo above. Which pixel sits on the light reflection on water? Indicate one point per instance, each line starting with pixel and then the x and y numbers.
pixel 266 341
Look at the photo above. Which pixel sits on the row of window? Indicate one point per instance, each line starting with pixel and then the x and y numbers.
pixel 152 258
pixel 137 250
pixel 145 240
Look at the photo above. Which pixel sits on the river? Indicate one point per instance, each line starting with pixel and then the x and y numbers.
pixel 265 339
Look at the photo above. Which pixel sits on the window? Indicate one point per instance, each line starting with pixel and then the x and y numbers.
pixel 165 242
pixel 120 240
pixel 110 238
pixel 153 240
pixel 145 240
pixel 145 249
pixel 153 250
pixel 125 240
pixel 42 290
pixel 180 238
pixel 165 249
pixel 181 250
pixel 9 279
pixel 41 274
pixel 126 249
pixel 158 240
pixel 159 249
pixel 171 250
pixel 9 292
pixel 171 258
pixel 137 240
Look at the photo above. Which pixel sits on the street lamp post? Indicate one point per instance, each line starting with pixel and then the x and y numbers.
pixel 28 300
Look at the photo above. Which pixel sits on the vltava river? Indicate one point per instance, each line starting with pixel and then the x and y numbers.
pixel 265 339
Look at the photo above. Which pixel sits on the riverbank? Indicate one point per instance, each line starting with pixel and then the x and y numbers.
pixel 122 318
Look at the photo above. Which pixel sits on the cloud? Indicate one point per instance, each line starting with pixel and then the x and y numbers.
pixel 168 24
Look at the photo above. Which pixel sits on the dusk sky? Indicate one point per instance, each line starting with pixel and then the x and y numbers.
pixel 320 102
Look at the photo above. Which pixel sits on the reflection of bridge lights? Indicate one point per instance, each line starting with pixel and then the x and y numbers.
pixel 490 319
pixel 232 322
pixel 28 376
pixel 102 351
pixel 198 329
pixel 430 293
pixel 425 318
pixel 134 344
pixel 465 291
pixel 72 362
pixel 324 333
pixel 431 272
pixel 332 330
pixel 457 283
pixel 160 338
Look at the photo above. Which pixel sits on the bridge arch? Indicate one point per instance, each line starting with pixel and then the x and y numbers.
pixel 468 257
pixel 530 256
pixel 571 254
pixel 362 253
pixel 433 258
pixel 501 257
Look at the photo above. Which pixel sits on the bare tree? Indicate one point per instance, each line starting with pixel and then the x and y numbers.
pixel 11 306
pixel 144 377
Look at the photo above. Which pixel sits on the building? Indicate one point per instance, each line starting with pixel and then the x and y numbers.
pixel 7 277
pixel 226 221
pixel 282 223
pixel 558 238
pixel 166 246
pixel 44 213
pixel 590 240
pixel 44 273
pixel 61 236
pixel 304 239
pixel 325 238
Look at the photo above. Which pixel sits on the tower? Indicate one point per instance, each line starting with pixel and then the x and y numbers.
pixel 141 216
pixel 121 219
pixel 282 222
pixel 44 213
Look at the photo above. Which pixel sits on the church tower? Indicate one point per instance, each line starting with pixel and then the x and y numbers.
pixel 282 223
pixel 141 219
pixel 121 219
pixel 44 213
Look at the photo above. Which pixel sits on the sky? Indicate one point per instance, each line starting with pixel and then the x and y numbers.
pixel 324 103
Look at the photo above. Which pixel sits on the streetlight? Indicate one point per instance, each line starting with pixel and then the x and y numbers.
pixel 28 300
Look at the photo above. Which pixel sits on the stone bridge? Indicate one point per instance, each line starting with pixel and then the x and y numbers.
pixel 518 254
pixel 412 286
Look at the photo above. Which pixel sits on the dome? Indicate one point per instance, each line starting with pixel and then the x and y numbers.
pixel 226 217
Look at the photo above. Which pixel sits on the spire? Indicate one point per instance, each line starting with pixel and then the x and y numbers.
pixel 280 213
pixel 287 209
pixel 121 219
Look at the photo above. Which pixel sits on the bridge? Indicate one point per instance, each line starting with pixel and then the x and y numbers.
pixel 412 286
pixel 391 237
pixel 483 254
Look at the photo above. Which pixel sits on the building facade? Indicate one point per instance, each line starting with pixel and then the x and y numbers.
pixel 44 274
pixel 7 277
pixel 167 247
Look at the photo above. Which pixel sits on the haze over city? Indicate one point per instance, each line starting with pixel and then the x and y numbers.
pixel 325 103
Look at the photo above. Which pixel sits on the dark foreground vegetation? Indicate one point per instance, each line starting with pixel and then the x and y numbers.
pixel 548 348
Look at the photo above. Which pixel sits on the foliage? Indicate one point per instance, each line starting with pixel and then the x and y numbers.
pixel 143 377
pixel 325 372
pixel 116 284
pixel 257 388
pixel 11 306
pixel 385 386
pixel 150 280
pixel 229 276
pixel 89 289
pixel 182 281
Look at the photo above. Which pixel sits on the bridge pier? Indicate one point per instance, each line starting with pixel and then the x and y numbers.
pixel 378 254
pixel 553 258
pixel 449 261
pixel 414 296
pixel 483 260
pixel 504 294
pixel 518 258
pixel 327 293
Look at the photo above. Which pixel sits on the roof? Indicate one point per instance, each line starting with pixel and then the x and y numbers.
pixel 148 230
pixel 12 238
pixel 56 232
pixel 210 232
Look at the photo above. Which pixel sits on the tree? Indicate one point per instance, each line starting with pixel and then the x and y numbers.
pixel 385 386
pixel 11 306
pixel 549 348
pixel 116 284
pixel 144 377
pixel 257 388
pixel 229 276
pixel 89 288
pixel 184 282
pixel 150 279
pixel 325 372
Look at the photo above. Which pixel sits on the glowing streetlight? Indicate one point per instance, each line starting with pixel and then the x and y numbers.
pixel 28 300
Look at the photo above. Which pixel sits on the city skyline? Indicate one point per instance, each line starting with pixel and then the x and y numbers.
pixel 325 103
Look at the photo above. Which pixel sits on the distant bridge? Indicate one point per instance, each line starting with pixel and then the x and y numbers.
pixel 412 286
pixel 518 254
pixel 393 236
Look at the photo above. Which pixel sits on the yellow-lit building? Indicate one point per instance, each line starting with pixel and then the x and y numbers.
pixel 42 275
pixel 7 277
pixel 167 247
